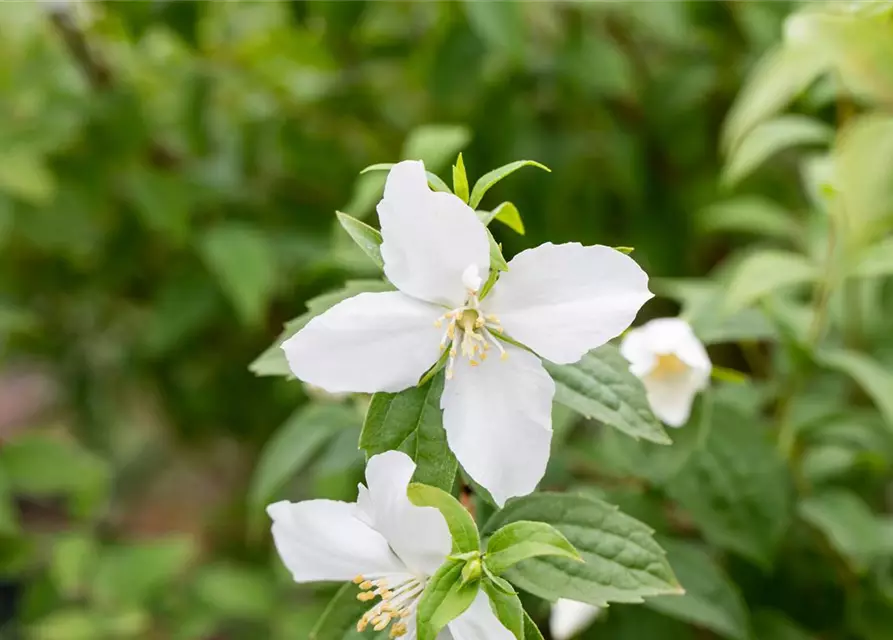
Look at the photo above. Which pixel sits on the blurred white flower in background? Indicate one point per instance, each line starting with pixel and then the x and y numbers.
pixel 672 364
pixel 569 617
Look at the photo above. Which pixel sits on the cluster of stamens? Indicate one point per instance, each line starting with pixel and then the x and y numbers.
pixel 468 332
pixel 397 603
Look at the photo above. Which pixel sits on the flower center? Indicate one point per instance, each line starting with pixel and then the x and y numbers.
pixel 668 365
pixel 468 328
pixel 398 602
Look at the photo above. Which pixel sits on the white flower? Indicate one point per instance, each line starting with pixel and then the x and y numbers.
pixel 671 362
pixel 570 617
pixel 558 300
pixel 386 545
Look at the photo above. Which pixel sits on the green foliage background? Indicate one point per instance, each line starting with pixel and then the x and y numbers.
pixel 169 173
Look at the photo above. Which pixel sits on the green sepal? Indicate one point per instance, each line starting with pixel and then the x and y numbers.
pixel 460 179
pixel 522 540
pixel 462 526
pixel 444 599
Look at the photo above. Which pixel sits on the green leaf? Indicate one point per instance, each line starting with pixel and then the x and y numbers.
pixel 436 144
pixel 710 600
pixel 771 625
pixel 236 592
pixel 132 574
pixel 736 489
pixel 486 181
pixel 272 362
pixel 339 620
pixel 242 259
pixel 531 631
pixel 875 261
pixel 507 214
pixel 293 446
pixel 42 466
pixel 460 179
pixel 766 271
pixel 779 77
pixel 9 519
pixel 26 176
pixel 444 599
pixel 769 138
pixel 600 386
pixel 523 540
pixel 622 562
pixel 750 214
pixel 73 563
pixel 499 24
pixel 875 379
pixel 849 524
pixel 367 238
pixel 411 421
pixel 462 526
pixel 433 180
pixel 497 261
pixel 507 608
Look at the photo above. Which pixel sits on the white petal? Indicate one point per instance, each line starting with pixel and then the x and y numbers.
pixel 671 397
pixel 665 336
pixel 478 622
pixel 430 238
pixel 569 617
pixel 371 342
pixel 498 420
pixel 564 300
pixel 322 540
pixel 418 535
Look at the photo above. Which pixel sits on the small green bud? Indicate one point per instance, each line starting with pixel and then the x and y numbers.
pixel 472 570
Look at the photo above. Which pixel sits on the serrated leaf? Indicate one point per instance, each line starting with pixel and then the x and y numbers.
pixel 486 181
pixel 367 238
pixel 436 144
pixel 710 600
pixel 507 214
pixel 462 526
pixel 444 599
pixel 875 379
pixel 507 608
pixel 736 489
pixel 411 421
pixel 293 446
pixel 849 524
pixel 622 562
pixel 523 540
pixel 241 258
pixel 750 214
pixel 600 386
pixel 766 271
pixel 769 138
pixel 272 361
pixel 460 179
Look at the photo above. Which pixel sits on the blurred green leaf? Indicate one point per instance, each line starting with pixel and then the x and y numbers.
pixel 73 563
pixel 766 271
pixel 293 446
pixel 710 600
pixel 622 562
pixel 135 573
pixel 736 489
pixel 769 138
pixel 875 379
pixel 771 625
pixel 499 24
pixel 750 214
pixel 234 591
pixel 9 519
pixel 25 175
pixel 241 258
pixel 411 421
pixel 600 386
pixel 436 144
pixel 848 523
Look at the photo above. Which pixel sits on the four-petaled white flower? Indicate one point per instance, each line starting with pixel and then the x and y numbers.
pixel 560 301
pixel 386 545
pixel 570 617
pixel 671 362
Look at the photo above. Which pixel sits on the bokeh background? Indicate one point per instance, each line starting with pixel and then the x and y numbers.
pixel 169 173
